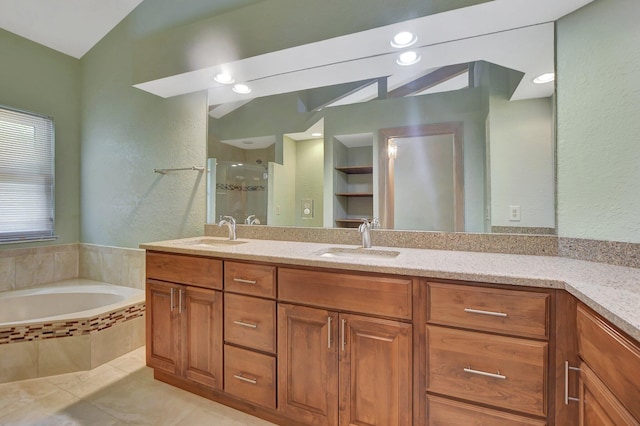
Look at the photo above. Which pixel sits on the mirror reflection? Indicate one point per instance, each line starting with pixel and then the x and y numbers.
pixel 462 147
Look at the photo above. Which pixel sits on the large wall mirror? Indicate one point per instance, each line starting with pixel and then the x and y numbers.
pixel 460 138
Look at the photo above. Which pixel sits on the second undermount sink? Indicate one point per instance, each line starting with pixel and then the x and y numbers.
pixel 211 242
pixel 358 253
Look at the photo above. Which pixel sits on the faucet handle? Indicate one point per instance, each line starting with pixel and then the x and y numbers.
pixel 375 223
pixel 249 219
pixel 230 219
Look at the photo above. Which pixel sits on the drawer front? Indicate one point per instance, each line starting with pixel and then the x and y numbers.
pixel 382 296
pixel 250 376
pixel 606 350
pixel 514 312
pixel 504 372
pixel 184 269
pixel 246 278
pixel 250 322
pixel 444 412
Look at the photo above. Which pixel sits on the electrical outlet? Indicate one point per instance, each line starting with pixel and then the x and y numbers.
pixel 306 208
pixel 277 210
pixel 514 213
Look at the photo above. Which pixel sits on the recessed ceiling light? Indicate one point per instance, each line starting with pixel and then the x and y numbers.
pixel 224 78
pixel 545 78
pixel 242 89
pixel 316 134
pixel 408 58
pixel 403 39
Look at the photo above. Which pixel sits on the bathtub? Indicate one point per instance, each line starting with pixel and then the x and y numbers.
pixel 68 326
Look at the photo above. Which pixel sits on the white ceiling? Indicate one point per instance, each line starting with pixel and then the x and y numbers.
pixel 72 27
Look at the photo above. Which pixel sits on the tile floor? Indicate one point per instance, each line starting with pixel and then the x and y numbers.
pixel 121 392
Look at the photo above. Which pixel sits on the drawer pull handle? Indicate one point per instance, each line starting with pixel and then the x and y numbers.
pixel 246 379
pixel 243 281
pixel 246 324
pixel 343 338
pixel 329 332
pixel 568 398
pixel 172 290
pixel 490 313
pixel 484 373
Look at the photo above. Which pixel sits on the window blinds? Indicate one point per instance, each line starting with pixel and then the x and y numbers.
pixel 26 176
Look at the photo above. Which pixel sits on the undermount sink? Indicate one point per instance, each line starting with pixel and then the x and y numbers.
pixel 358 253
pixel 210 242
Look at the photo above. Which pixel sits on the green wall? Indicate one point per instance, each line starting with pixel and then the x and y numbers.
pixel 38 79
pixel 598 122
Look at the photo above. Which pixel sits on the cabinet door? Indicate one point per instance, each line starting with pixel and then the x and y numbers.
pixel 163 326
pixel 375 372
pixel 201 312
pixel 308 364
pixel 598 406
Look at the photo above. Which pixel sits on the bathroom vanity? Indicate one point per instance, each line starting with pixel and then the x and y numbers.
pixel 279 330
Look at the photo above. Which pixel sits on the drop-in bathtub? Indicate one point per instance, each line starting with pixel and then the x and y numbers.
pixel 68 326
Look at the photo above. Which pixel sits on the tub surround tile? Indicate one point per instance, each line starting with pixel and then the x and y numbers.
pixel 19 361
pixel 60 356
pixel 34 269
pixel 66 265
pixel 133 268
pixel 7 273
pixel 90 262
pixel 111 343
pixel 113 265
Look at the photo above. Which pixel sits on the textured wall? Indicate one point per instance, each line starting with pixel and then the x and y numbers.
pixel 37 79
pixel 598 122
pixel 126 133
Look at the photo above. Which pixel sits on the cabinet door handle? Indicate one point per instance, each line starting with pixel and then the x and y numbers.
pixel 481 312
pixel 344 338
pixel 180 308
pixel 243 281
pixel 246 379
pixel 172 290
pixel 568 398
pixel 329 332
pixel 246 324
pixel 484 373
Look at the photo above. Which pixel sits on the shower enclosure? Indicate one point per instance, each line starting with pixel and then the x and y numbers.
pixel 238 190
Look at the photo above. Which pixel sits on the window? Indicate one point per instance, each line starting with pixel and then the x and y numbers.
pixel 26 176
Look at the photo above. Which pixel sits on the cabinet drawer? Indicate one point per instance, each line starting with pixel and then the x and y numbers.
pixel 441 412
pixel 505 372
pixel 249 321
pixel 246 278
pixel 382 296
pixel 519 313
pixel 250 376
pixel 611 356
pixel 183 269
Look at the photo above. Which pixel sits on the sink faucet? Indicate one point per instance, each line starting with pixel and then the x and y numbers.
pixel 231 224
pixel 252 220
pixel 366 236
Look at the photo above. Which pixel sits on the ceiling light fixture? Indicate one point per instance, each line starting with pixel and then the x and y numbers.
pixel 403 39
pixel 316 134
pixel 408 58
pixel 545 78
pixel 242 89
pixel 224 78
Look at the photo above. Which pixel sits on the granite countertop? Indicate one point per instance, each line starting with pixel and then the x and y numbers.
pixel 612 291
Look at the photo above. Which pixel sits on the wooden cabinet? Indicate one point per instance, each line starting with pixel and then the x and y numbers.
pixel 182 323
pixel 343 369
pixel 488 349
pixel 609 371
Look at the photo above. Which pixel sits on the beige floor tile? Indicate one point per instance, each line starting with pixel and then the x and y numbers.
pixel 79 413
pixel 14 396
pixel 213 413
pixel 86 383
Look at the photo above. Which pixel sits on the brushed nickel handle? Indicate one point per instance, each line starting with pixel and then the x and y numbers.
pixel 180 308
pixel 485 373
pixel 246 324
pixel 344 338
pixel 329 332
pixel 172 290
pixel 568 398
pixel 245 379
pixel 481 312
pixel 371 336
pixel 243 281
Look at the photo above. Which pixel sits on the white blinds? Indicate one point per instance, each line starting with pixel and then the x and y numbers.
pixel 26 176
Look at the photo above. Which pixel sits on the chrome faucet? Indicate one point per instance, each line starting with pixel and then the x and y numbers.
pixel 375 223
pixel 366 236
pixel 252 220
pixel 231 224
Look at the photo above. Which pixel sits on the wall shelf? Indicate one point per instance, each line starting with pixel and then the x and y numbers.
pixel 354 194
pixel 356 170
